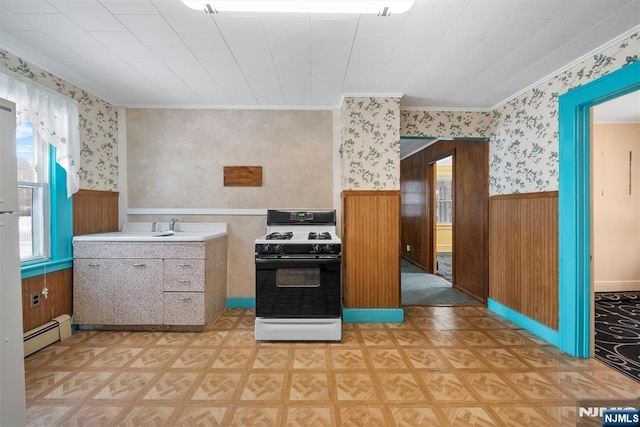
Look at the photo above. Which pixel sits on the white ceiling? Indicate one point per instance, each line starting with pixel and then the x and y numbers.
pixel 445 54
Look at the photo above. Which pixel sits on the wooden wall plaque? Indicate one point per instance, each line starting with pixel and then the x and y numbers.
pixel 242 176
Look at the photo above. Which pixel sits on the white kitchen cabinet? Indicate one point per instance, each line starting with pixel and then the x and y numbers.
pixel 149 285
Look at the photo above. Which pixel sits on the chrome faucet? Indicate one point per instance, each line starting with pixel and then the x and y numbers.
pixel 172 224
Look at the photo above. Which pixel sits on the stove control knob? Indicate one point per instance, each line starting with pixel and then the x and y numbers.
pixel 272 249
pixel 327 249
pixel 315 249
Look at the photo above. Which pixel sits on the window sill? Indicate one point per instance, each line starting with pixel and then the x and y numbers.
pixel 39 268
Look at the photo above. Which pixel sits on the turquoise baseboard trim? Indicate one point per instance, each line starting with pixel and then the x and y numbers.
pixel 536 328
pixel 241 302
pixel 373 315
pixel 349 315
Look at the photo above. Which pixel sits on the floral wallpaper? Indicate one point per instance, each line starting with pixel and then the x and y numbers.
pixel 445 123
pixel 523 155
pixel 371 143
pixel 98 124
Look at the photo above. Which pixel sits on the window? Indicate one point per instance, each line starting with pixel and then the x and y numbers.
pixel 33 194
pixel 48 149
pixel 444 191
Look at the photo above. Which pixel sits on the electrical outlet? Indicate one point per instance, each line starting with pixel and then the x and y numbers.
pixel 408 248
pixel 35 299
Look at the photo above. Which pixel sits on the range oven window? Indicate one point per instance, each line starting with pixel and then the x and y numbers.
pixel 298 288
pixel 298 277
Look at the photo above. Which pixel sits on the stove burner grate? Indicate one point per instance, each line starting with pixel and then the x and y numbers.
pixel 319 236
pixel 280 235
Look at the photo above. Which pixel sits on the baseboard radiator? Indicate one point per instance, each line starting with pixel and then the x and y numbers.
pixel 59 329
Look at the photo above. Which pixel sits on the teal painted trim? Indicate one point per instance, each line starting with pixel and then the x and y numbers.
pixel 241 302
pixel 38 269
pixel 546 333
pixel 61 211
pixel 373 315
pixel 574 203
pixel 61 224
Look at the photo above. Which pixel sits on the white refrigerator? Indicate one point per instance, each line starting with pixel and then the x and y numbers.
pixel 12 393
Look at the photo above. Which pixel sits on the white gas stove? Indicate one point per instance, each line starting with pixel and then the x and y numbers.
pixel 298 284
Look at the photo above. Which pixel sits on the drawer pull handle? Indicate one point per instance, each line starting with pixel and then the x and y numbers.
pixel 94 265
pixel 184 264
pixel 139 265
pixel 184 281
pixel 183 299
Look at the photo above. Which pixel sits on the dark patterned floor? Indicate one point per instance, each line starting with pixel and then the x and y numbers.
pixel 617 317
pixel 444 265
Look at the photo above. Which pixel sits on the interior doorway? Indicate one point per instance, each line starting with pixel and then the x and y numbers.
pixel 443 218
pixel 574 206
pixel 615 225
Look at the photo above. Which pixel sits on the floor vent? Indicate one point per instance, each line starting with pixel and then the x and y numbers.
pixel 58 329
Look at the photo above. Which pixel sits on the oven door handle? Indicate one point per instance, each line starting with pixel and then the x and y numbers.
pixel 298 285
pixel 296 259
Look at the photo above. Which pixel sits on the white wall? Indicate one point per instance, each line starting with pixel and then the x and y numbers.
pixel 616 213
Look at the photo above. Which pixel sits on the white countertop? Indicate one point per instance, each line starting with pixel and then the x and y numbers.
pixel 141 232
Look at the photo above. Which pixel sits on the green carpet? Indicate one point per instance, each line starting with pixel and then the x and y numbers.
pixel 421 288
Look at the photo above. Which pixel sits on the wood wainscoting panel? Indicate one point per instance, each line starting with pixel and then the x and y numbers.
pixel 58 301
pixel 371 249
pixel 523 256
pixel 95 211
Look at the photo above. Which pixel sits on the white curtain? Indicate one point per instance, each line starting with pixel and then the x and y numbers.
pixel 54 117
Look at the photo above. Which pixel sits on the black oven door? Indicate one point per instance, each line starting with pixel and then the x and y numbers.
pixel 298 287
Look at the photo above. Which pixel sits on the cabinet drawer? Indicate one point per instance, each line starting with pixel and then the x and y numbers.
pixel 184 308
pixel 183 282
pixel 184 250
pixel 183 266
pixel 103 250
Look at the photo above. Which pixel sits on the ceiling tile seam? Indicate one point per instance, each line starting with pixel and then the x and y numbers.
pixel 235 60
pixel 310 59
pixel 504 58
pixel 46 69
pixel 490 70
pixel 273 60
pixel 426 58
pixel 353 42
pixel 160 88
pixel 213 79
pixel 395 44
pixel 568 66
pixel 185 46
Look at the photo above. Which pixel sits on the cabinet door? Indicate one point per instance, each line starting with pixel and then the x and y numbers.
pixel 93 291
pixel 184 308
pixel 137 294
